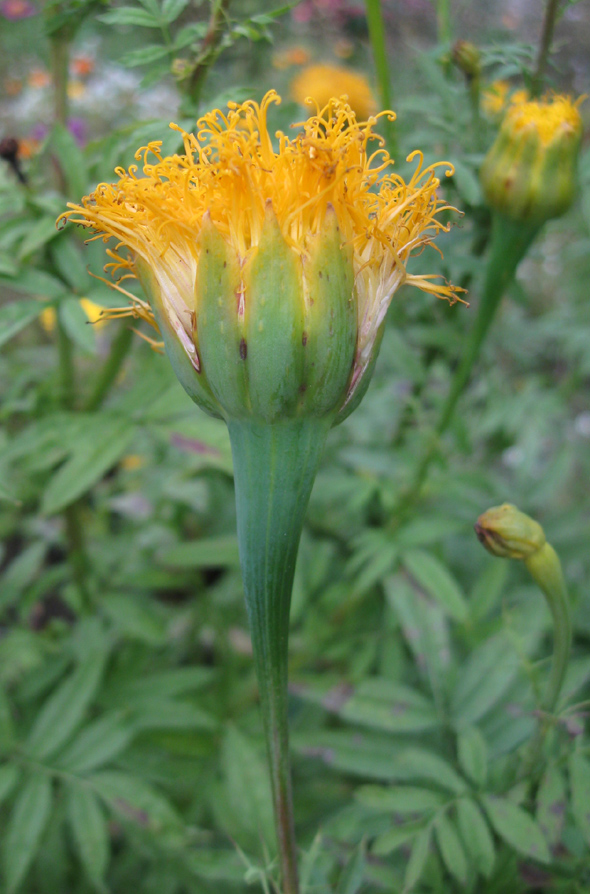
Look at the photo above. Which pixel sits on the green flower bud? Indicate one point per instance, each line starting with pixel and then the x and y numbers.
pixel 508 533
pixel 529 174
pixel 467 58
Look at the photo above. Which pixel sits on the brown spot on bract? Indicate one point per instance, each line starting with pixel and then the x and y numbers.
pixel 302 388
pixel 304 339
pixel 243 348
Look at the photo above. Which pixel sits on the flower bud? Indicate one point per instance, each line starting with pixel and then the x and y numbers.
pixel 467 58
pixel 529 174
pixel 507 532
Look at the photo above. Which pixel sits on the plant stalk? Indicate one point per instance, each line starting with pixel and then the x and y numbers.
pixel 120 348
pixel 544 46
pixel 274 467
pixel 545 568
pixel 509 243
pixel 377 38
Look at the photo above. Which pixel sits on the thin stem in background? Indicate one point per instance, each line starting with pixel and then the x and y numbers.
pixel 544 46
pixel 209 51
pixel 377 37
pixel 120 348
pixel 443 21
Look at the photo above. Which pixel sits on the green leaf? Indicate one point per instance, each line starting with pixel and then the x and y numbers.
pixel 71 161
pixel 352 876
pixel 9 776
pixel 517 828
pixel 39 234
pixel 26 825
pixel 473 754
pixel 210 552
pixel 476 835
pixel 171 9
pixel 16 315
pixel 417 861
pixel 552 804
pixel 394 838
pixel 136 801
pixel 247 787
pixel 102 442
pixel 579 769
pixel 467 183
pixel 96 744
pixel 404 800
pixel 434 578
pixel 36 282
pixel 65 708
pixel 68 260
pixel 76 324
pixel 89 831
pixel 130 15
pixel 164 684
pixel 483 679
pixel 159 714
pixel 451 849
pixel 133 618
pixel 144 55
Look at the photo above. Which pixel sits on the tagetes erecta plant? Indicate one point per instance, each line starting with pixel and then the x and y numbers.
pixel 269 269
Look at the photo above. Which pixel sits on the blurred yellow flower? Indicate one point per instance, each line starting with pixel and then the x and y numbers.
pixel 94 312
pixel 132 462
pixel 322 82
pixel 497 96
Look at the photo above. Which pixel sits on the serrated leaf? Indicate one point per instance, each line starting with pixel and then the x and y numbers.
pixel 516 827
pixel 9 776
pixel 144 55
pixel 485 676
pixel 210 552
pixel 473 754
pixel 96 744
pixel 65 708
pixel 394 838
pixel 352 875
pixel 130 15
pixel 404 800
pixel 476 835
pixel 89 831
pixel 579 769
pixel 450 847
pixel 436 580
pixel 135 800
pixel 552 804
pixel 75 323
pixel 16 315
pixel 27 822
pixel 171 9
pixel 101 443
pixel 417 861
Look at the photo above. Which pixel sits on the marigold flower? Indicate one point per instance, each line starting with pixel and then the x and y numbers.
pixel 322 82
pixel 270 271
pixel 529 174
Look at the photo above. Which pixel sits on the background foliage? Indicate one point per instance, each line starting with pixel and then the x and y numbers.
pixel 130 743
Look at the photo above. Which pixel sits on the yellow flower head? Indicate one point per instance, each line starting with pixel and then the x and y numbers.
pixel 231 205
pixel 529 174
pixel 322 82
pixel 498 96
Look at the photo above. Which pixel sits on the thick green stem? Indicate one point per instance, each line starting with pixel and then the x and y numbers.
pixel 509 244
pixel 544 46
pixel 274 467
pixel 110 370
pixel 377 37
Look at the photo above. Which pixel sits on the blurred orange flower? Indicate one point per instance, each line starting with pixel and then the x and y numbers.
pixel 322 82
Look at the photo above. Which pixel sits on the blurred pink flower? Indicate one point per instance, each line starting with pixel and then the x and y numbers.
pixel 17 9
pixel 338 10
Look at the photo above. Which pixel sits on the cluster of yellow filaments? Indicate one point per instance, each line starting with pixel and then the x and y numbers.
pixel 230 173
pixel 548 117
pixel 498 96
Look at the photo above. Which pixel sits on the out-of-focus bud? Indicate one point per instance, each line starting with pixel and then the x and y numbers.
pixel 467 58
pixel 529 174
pixel 507 532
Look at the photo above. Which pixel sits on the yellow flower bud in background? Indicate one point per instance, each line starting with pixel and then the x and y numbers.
pixel 507 532
pixel 529 174
pixel 322 82
pixel 498 96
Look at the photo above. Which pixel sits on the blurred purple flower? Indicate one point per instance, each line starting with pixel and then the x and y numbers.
pixel 17 9
pixel 76 126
